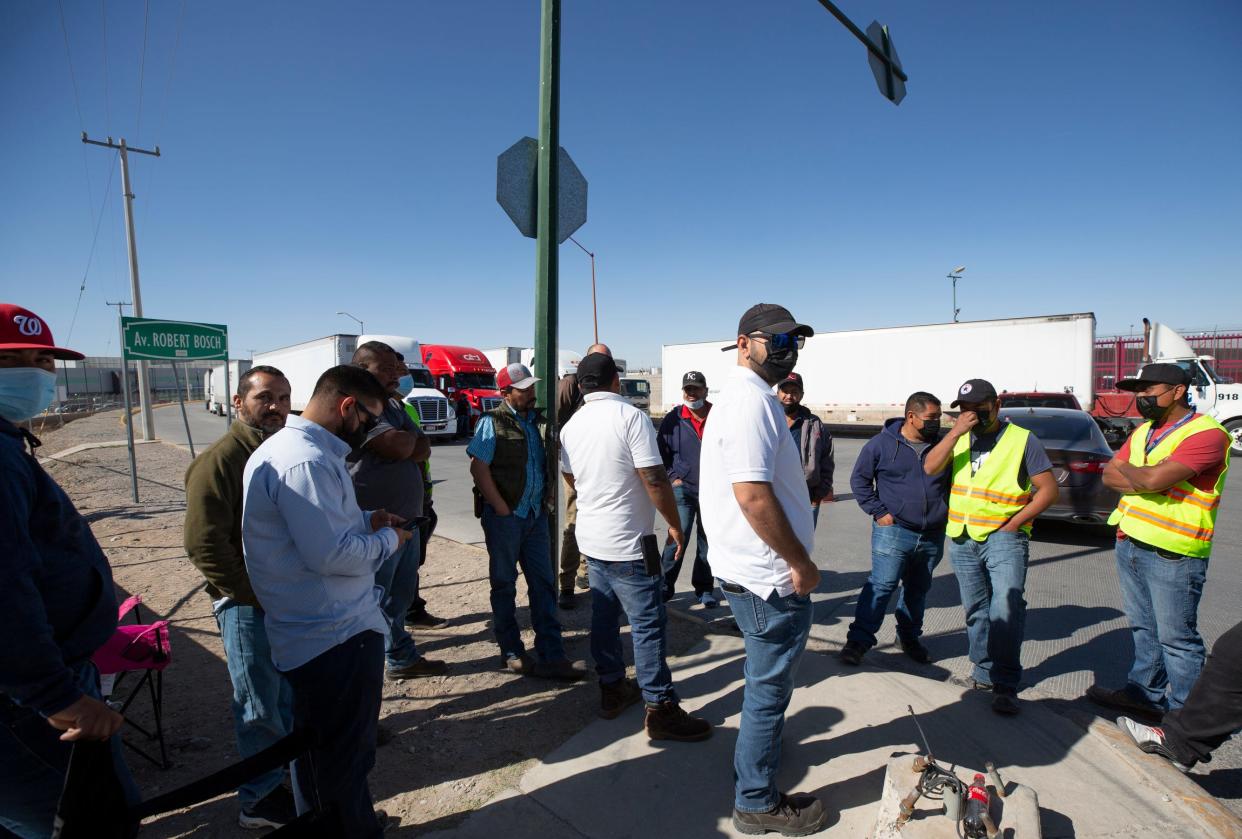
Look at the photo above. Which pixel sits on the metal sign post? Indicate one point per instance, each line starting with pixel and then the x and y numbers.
pixel 184 418
pixel 129 413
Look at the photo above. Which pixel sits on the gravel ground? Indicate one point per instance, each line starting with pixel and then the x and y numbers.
pixel 454 741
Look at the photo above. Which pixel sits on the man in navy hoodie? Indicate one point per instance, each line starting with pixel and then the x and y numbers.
pixel 57 603
pixel 908 510
pixel 681 439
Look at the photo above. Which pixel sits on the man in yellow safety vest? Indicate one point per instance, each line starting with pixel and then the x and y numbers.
pixel 1001 480
pixel 1170 474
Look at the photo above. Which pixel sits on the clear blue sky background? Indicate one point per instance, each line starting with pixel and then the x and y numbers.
pixel 324 156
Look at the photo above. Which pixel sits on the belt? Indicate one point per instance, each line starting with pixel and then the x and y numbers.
pixel 1161 552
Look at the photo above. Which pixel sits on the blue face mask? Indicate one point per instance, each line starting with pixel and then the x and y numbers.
pixel 25 392
pixel 695 404
pixel 405 384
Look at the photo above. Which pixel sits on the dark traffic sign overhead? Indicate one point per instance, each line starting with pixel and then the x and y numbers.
pixel 892 86
pixel 517 189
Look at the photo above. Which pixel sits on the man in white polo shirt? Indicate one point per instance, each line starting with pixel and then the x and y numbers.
pixel 753 500
pixel 610 457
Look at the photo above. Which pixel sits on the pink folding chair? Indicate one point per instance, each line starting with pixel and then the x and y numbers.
pixel 138 648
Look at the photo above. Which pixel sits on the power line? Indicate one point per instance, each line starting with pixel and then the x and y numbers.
pixel 90 257
pixel 142 66
pixel 77 103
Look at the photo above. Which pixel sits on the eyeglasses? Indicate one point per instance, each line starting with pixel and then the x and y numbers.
pixel 371 419
pixel 783 341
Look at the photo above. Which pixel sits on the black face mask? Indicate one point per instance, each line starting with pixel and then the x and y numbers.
pixel 779 364
pixel 1149 408
pixel 791 409
pixel 930 431
pixel 355 438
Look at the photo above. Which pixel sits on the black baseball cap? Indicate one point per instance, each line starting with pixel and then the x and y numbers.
pixel 694 379
pixel 596 371
pixel 1156 374
pixel 975 390
pixel 770 318
pixel 794 379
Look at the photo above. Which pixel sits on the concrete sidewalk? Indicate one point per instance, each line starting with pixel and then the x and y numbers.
pixel 842 728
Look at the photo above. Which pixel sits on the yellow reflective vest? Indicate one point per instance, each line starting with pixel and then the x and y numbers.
pixel 1182 518
pixel 980 503
pixel 412 411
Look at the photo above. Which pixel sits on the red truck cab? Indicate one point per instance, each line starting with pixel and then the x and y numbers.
pixel 465 376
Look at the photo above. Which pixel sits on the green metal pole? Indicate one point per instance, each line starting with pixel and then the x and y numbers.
pixel 546 243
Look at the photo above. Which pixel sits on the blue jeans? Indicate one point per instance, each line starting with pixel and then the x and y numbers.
pixel 898 556
pixel 337 696
pixel 1161 599
pixel 398 577
pixel 262 697
pixel 775 631
pixel 513 541
pixel 701 576
pixel 626 586
pixel 34 760
pixel 992 577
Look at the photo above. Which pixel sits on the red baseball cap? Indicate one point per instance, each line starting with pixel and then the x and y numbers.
pixel 22 329
pixel 516 376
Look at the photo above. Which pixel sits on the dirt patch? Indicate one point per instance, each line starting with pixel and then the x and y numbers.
pixel 456 740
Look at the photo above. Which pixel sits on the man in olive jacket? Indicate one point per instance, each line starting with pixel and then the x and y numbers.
pixel 262 698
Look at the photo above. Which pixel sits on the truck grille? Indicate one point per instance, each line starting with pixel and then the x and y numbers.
pixel 432 409
pixel 489 403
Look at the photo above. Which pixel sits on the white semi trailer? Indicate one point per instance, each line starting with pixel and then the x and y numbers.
pixel 866 375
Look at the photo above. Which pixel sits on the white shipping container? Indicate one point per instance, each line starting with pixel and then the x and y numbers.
pixel 865 374
pixel 304 363
pixel 219 393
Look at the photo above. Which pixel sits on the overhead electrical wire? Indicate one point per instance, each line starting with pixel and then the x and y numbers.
pixel 90 257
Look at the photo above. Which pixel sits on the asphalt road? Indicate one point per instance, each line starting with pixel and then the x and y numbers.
pixel 1076 632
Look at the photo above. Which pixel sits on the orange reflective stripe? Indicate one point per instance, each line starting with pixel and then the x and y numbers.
pixel 991 495
pixel 976 517
pixel 1195 498
pixel 1203 534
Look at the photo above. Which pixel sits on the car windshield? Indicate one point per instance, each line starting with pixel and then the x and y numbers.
pixel 1061 431
pixel 422 377
pixel 477 381
pixel 636 387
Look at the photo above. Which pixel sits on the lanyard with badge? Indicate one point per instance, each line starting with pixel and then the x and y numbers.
pixel 1152 443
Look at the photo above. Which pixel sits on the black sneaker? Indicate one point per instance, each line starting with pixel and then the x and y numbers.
pixel 667 721
pixel 915 649
pixel 425 620
pixel 565 600
pixel 798 814
pixel 1005 701
pixel 615 697
pixel 416 669
pixel 276 809
pixel 852 653
pixel 1121 700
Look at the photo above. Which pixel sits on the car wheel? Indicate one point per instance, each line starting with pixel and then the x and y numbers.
pixel 1234 427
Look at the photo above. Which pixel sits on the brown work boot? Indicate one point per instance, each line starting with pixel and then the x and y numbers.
pixel 563 670
pixel 797 814
pixel 615 697
pixel 418 668
pixel 667 721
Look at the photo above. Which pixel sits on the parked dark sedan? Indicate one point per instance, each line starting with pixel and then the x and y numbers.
pixel 1079 453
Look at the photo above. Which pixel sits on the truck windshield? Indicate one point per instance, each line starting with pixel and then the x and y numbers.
pixel 635 387
pixel 422 377
pixel 1212 375
pixel 476 381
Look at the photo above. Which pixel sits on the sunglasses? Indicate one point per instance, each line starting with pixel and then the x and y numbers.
pixel 371 419
pixel 783 341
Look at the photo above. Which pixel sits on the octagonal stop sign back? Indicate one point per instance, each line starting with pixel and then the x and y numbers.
pixel 517 189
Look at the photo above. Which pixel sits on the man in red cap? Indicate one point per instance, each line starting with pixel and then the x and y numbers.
pixel 57 603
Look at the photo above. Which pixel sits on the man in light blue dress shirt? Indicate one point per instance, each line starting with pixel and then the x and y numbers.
pixel 312 554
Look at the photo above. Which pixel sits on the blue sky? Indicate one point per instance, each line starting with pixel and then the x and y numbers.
pixel 327 156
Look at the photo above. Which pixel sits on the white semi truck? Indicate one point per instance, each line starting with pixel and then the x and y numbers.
pixel 218 392
pixel 304 363
pixel 866 375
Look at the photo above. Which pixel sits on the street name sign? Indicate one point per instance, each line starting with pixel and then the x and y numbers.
pixel 891 85
pixel 151 339
pixel 517 189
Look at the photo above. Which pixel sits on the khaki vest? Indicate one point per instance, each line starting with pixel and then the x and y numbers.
pixel 509 463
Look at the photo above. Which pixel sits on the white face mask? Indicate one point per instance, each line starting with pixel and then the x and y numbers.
pixel 696 404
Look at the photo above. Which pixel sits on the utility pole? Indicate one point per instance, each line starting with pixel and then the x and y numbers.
pixel 129 414
pixel 594 307
pixel 955 275
pixel 144 391
pixel 547 300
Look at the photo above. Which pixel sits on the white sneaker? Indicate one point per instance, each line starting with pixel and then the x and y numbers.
pixel 707 601
pixel 1150 739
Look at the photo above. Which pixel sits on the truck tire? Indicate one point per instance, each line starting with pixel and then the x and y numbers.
pixel 1234 427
